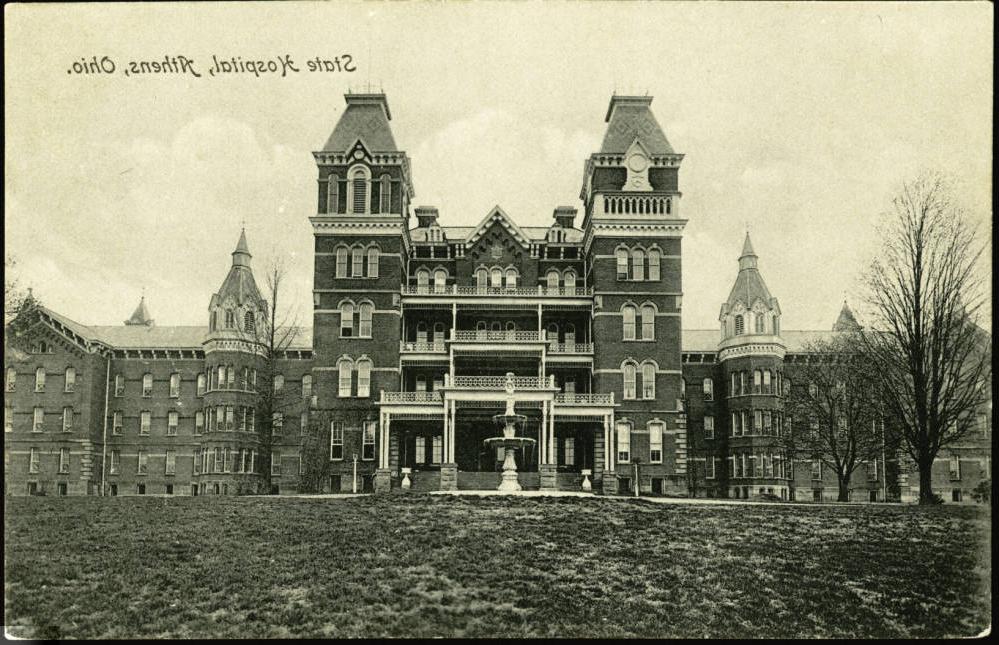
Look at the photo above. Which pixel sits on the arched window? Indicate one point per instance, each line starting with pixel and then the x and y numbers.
pixel 249 322
pixel 440 280
pixel 570 335
pixel 552 278
pixel 345 368
pixel 481 279
pixel 496 278
pixel 359 185
pixel 364 319
pixel 147 384
pixel 230 319
pixel 654 271
pixel 341 261
pixel 438 332
pixel 570 281
pixel 757 382
pixel 480 328
pixel 332 193
pixel 648 381
pixel 357 262
pixel 385 195
pixel 496 326
pixel 373 262
pixel 709 389
pixel 628 313
pixel 759 323
pixel 638 264
pixel 69 384
pixel 363 378
pixel 421 383
pixel 552 332
pixel 40 379
pixel 630 372
pixel 422 281
pixel 623 442
pixel 739 325
pixel 421 332
pixel 648 322
pixel 346 319
pixel 511 278
pixel 766 382
pixel 622 263
pixel 511 326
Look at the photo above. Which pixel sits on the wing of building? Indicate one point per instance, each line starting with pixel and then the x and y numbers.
pixel 421 334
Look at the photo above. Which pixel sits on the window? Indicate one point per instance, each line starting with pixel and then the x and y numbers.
pixel 64 460
pixel 38 424
pixel 638 264
pixel 437 449
pixel 569 451
pixel 767 382
pixel 628 316
pixel 648 381
pixel 346 319
pixel 345 367
pixel 373 262
pixel 67 419
pixel 422 280
pixel 648 322
pixel 440 280
pixel 145 420
pixel 171 462
pixel 230 319
pixel 244 381
pixel 421 383
pixel 570 281
pixel 742 383
pixel 33 459
pixel 816 469
pixel 70 384
pixel 11 379
pixel 740 326
pixel 552 278
pixel 359 184
pixel 363 378
pixel 249 322
pixel 955 468
pixel 147 385
pixel 201 384
pixel 368 441
pixel 496 278
pixel 757 381
pixel 511 278
pixel 336 440
pixel 709 427
pixel 306 386
pixel 357 262
pixel 622 264
pixel 199 422
pixel 734 390
pixel 40 379
pixel 115 462
pixel 710 467
pixel 143 463
pixel 570 335
pixel 629 372
pixel 365 312
pixel 8 418
pixel 116 422
pixel 172 422
pixel 230 418
pixel 341 262
pixel 757 421
pixel 654 273
pixel 277 422
pixel 385 195
pixel 709 389
pixel 481 279
pixel 278 382
pixel 767 422
pixel 275 463
pixel 438 333
pixel 656 443
pixel 759 323
pixel 623 443
pixel 303 423
pixel 744 422
pixel 175 385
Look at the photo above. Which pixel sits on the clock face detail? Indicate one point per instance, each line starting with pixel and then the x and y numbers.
pixel 358 154
pixel 637 162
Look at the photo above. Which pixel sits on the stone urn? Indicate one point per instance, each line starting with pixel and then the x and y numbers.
pixel 406 483
pixel 587 486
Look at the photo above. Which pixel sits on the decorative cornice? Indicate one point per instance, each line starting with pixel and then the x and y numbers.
pixel 752 349
pixel 661 228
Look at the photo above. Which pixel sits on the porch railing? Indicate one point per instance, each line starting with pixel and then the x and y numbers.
pixel 585 399
pixel 498 336
pixel 422 347
pixel 412 397
pixel 570 348
pixel 499 382
pixel 472 290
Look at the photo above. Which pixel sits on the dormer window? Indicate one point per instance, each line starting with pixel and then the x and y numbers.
pixel 249 322
pixel 740 326
pixel 230 319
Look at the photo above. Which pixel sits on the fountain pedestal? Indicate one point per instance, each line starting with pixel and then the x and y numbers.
pixel 509 441
pixel 509 481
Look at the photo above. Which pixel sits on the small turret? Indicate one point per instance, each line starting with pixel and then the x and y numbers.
pixel 237 305
pixel 846 320
pixel 749 309
pixel 141 315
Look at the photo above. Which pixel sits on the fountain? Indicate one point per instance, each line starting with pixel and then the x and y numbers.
pixel 509 441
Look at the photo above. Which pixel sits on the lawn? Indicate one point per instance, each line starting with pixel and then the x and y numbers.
pixel 421 565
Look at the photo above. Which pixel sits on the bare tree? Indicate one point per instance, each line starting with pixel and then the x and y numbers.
pixel 315 455
pixel 932 359
pixel 16 297
pixel 833 409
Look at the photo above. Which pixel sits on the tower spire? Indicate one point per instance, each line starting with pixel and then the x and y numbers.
pixel 241 256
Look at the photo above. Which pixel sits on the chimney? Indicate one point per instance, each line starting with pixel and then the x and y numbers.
pixel 426 216
pixel 564 216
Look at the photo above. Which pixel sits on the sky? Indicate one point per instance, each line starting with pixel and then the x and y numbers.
pixel 798 122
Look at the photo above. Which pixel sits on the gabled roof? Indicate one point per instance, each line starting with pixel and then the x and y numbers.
pixel 629 119
pixel 366 119
pixel 497 214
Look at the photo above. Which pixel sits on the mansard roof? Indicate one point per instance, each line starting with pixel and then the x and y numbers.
pixel 629 119
pixel 366 118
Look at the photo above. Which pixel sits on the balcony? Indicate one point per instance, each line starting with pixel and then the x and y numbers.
pixel 412 397
pixel 499 382
pixel 453 290
pixel 570 348
pixel 497 336
pixel 422 347
pixel 584 399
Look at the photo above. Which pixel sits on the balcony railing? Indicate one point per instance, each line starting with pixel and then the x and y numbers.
pixel 412 397
pixel 471 290
pixel 632 204
pixel 422 347
pixel 570 348
pixel 502 336
pixel 499 382
pixel 584 399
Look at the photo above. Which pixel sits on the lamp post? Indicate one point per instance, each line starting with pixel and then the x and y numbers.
pixel 354 483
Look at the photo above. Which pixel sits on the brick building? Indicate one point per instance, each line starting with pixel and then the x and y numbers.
pixel 419 333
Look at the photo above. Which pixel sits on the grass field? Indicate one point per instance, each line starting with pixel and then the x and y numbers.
pixel 417 565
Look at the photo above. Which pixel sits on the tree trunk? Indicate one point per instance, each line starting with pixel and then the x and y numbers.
pixel 926 483
pixel 844 489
